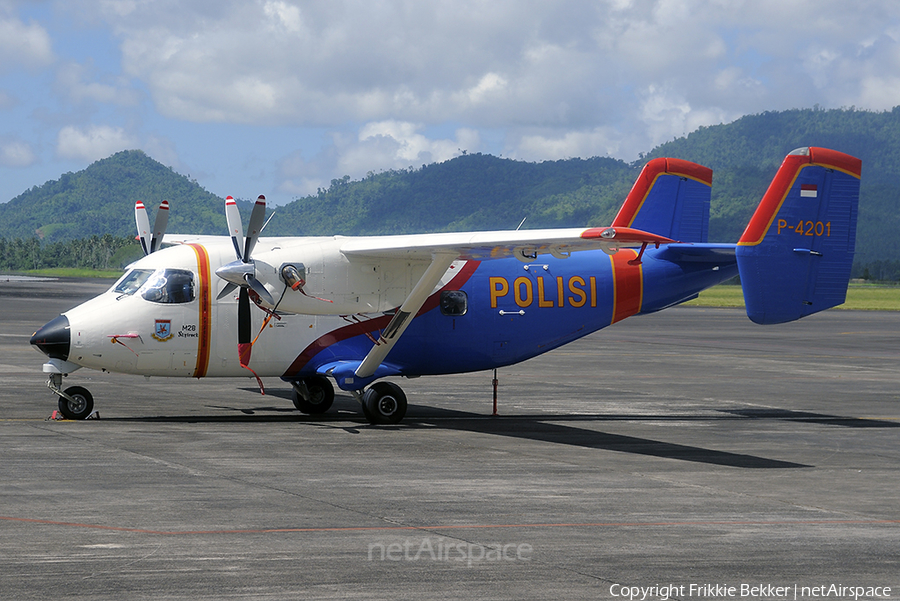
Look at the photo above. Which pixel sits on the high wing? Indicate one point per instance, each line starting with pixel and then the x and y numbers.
pixel 524 245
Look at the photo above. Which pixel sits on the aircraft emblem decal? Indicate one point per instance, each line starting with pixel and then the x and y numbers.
pixel 163 330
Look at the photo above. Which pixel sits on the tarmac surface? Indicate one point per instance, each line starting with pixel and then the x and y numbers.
pixel 691 451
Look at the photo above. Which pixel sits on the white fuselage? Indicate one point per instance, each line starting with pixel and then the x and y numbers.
pixel 136 331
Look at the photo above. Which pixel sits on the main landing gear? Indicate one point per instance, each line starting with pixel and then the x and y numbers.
pixel 382 403
pixel 313 395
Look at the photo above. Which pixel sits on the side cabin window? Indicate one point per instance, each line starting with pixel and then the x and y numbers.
pixel 169 286
pixel 454 302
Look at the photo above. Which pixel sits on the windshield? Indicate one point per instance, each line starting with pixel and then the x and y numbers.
pixel 132 281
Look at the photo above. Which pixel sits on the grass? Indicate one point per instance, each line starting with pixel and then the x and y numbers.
pixel 74 272
pixel 860 297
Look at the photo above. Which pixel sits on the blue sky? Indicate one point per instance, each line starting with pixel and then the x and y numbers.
pixel 278 97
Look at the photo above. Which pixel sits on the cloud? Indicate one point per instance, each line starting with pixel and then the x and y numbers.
pixel 75 81
pixel 571 65
pixel 377 146
pixel 23 45
pixel 93 143
pixel 16 153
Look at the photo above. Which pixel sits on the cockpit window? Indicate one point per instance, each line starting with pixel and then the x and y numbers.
pixel 169 286
pixel 132 281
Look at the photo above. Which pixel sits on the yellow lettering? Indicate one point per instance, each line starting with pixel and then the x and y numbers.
pixel 520 284
pixel 781 225
pixel 593 291
pixel 499 287
pixel 581 296
pixel 559 291
pixel 542 302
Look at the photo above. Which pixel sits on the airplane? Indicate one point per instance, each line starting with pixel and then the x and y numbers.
pixel 357 310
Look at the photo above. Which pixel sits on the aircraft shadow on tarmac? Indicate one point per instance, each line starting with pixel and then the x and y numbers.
pixel 537 427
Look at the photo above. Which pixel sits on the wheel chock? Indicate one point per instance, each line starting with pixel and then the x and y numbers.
pixel 58 416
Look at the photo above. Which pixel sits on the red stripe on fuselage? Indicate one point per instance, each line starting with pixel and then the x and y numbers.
pixel 628 285
pixel 205 310
pixel 373 325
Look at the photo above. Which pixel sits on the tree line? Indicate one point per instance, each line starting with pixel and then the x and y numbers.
pixel 95 252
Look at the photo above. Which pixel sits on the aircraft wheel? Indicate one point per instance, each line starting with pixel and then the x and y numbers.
pixel 320 397
pixel 82 406
pixel 384 403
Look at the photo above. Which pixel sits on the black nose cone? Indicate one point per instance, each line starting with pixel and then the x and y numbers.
pixel 53 339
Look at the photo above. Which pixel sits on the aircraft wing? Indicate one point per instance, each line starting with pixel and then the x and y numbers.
pixel 525 245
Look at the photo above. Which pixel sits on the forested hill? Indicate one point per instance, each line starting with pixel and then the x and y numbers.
pixel 481 192
pixel 470 192
pixel 100 200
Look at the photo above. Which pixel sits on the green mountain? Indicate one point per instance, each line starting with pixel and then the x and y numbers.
pixel 470 192
pixel 100 200
pixel 482 192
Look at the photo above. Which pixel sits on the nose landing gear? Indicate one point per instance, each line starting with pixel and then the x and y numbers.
pixel 75 402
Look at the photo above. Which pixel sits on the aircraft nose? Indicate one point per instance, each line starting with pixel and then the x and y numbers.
pixel 53 338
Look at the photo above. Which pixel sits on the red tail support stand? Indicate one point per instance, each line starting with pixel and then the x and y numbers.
pixel 637 259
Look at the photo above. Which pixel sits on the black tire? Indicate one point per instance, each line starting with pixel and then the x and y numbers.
pixel 81 408
pixel 321 395
pixel 384 403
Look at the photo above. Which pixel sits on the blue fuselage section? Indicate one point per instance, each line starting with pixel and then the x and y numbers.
pixel 515 311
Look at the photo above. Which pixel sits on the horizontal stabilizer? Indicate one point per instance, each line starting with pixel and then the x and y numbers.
pixel 699 253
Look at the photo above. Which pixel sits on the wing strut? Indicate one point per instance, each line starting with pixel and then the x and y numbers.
pixel 440 263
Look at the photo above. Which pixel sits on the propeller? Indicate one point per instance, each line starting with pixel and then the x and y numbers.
pixel 151 240
pixel 242 273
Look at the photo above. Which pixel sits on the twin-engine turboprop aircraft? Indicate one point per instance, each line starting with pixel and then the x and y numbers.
pixel 358 309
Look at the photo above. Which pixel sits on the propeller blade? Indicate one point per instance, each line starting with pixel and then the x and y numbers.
pixel 245 345
pixel 235 227
pixel 143 225
pixel 259 289
pixel 243 318
pixel 257 217
pixel 159 226
pixel 228 289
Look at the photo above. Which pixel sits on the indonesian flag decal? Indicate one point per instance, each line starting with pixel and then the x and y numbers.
pixel 809 190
